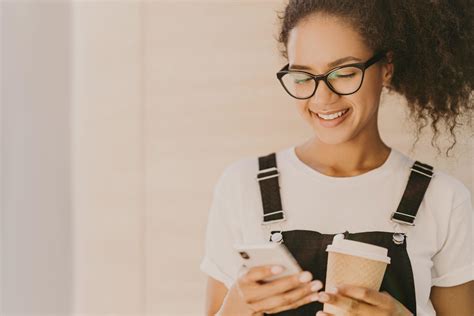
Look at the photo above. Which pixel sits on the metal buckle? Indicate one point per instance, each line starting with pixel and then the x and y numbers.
pixel 267 170
pixel 277 237
pixel 402 221
pixel 427 169
pixel 420 172
pixel 278 228
pixel 273 221
pixel 398 238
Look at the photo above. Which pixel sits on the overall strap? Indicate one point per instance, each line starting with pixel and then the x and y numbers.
pixel 267 178
pixel 418 182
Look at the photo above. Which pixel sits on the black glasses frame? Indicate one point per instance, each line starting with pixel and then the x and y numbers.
pixel 362 66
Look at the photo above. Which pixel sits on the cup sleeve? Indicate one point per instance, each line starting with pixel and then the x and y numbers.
pixel 453 263
pixel 220 260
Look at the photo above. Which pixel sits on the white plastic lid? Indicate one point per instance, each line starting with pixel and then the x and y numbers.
pixel 359 249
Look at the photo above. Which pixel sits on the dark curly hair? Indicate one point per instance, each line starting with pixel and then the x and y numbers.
pixel 432 45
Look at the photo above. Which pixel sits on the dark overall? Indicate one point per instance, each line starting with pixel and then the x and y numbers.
pixel 309 247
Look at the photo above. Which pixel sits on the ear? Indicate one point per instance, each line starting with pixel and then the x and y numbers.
pixel 388 69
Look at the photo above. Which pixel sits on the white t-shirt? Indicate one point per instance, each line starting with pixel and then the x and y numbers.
pixel 439 245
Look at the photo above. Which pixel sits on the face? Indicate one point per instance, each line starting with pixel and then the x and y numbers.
pixel 313 45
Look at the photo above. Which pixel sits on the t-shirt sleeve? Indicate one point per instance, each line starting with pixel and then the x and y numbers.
pixel 453 263
pixel 220 261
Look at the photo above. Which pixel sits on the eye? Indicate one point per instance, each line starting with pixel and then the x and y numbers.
pixel 300 81
pixel 299 78
pixel 337 74
pixel 346 76
pixel 348 72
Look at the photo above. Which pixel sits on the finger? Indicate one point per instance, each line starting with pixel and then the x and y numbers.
pixel 320 313
pixel 302 295
pixel 260 273
pixel 248 285
pixel 284 284
pixel 313 297
pixel 347 304
pixel 364 294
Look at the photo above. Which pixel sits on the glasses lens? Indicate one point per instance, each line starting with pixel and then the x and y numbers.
pixel 346 80
pixel 298 84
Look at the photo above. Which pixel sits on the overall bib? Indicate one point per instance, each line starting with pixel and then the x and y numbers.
pixel 309 247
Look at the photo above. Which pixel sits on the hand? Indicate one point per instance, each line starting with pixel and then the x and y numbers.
pixel 281 294
pixel 355 300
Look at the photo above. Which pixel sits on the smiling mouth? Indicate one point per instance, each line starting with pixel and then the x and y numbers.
pixel 331 116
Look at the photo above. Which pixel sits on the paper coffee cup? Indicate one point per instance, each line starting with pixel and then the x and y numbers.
pixel 354 263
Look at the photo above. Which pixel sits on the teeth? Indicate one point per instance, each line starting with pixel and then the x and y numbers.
pixel 331 116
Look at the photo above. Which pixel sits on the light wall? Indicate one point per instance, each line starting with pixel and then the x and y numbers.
pixel 108 163
pixel 210 97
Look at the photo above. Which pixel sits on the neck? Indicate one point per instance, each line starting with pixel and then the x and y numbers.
pixel 362 154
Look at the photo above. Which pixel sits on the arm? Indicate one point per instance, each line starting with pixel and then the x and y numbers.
pixel 454 300
pixel 220 300
pixel 452 285
pixel 215 294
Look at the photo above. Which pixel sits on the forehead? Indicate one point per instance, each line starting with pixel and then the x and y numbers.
pixel 320 39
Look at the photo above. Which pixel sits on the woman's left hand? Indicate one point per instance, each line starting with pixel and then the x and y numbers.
pixel 355 300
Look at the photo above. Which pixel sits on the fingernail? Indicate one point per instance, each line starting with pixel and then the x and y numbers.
pixel 277 269
pixel 314 297
pixel 316 285
pixel 323 297
pixel 305 277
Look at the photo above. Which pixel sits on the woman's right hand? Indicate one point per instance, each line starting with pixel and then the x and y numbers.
pixel 281 294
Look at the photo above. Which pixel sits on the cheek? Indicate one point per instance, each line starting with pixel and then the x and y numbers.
pixel 302 106
pixel 368 97
pixel 372 85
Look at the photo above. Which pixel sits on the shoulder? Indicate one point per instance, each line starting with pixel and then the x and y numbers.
pixel 245 168
pixel 444 188
pixel 234 172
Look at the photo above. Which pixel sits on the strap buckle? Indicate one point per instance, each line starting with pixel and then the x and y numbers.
pixel 273 221
pixel 422 170
pixel 402 221
pixel 274 173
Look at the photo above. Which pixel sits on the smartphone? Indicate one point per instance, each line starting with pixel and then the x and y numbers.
pixel 253 255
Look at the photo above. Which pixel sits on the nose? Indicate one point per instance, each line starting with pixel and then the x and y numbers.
pixel 323 94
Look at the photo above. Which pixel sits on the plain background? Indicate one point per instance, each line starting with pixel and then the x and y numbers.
pixel 117 118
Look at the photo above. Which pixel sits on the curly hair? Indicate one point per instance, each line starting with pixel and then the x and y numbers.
pixel 432 45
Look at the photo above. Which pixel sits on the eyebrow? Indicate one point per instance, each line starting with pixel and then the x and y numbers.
pixel 330 65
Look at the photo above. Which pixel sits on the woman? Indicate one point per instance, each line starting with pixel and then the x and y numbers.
pixel 345 179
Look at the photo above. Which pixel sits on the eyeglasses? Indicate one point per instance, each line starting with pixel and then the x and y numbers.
pixel 342 80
